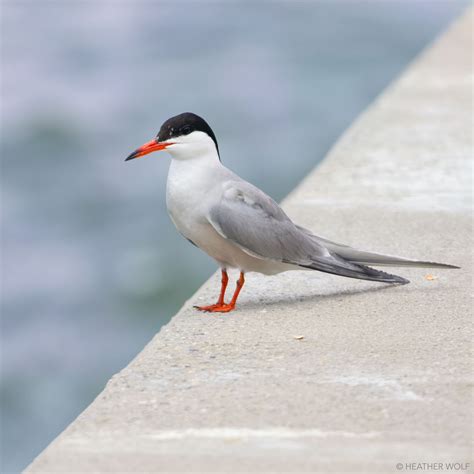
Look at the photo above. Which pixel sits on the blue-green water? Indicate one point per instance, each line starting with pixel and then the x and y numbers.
pixel 92 266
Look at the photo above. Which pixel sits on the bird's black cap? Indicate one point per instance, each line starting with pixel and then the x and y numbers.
pixel 184 124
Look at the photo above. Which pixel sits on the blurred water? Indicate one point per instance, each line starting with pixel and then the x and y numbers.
pixel 92 266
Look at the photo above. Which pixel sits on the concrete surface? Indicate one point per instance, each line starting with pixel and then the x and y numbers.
pixel 382 374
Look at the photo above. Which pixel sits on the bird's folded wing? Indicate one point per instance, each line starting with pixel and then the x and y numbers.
pixel 256 224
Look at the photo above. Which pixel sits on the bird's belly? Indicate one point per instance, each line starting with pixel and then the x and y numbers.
pixel 225 252
pixel 184 207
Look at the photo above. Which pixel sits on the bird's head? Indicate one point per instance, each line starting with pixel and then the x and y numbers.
pixel 184 136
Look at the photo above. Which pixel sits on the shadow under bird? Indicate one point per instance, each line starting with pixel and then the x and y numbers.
pixel 241 227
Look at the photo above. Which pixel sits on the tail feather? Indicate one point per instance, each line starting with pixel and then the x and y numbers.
pixel 370 258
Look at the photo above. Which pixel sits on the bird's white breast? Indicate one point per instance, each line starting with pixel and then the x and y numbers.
pixel 184 196
pixel 187 192
pixel 191 187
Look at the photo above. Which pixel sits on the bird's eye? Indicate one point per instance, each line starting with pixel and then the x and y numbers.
pixel 186 130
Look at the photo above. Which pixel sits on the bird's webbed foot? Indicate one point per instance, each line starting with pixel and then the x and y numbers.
pixel 216 308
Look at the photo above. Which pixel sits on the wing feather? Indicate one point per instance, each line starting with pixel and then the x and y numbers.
pixel 257 224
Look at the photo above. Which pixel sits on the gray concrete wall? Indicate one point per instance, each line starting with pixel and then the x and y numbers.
pixel 315 373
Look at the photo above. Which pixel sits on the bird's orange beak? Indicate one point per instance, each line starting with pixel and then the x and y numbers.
pixel 150 147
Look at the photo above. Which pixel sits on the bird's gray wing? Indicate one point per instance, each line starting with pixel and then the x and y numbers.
pixel 255 223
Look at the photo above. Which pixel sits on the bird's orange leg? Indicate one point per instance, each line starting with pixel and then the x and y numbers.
pixel 225 308
pixel 220 301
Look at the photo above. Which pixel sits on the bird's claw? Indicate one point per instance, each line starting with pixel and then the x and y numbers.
pixel 216 308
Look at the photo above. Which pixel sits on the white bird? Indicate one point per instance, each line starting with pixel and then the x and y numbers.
pixel 241 227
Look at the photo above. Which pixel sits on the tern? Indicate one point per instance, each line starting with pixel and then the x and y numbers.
pixel 241 227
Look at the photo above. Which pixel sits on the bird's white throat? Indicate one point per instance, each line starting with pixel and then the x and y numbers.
pixel 195 146
pixel 193 173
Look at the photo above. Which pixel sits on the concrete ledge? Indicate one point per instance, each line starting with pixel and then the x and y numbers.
pixel 382 374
